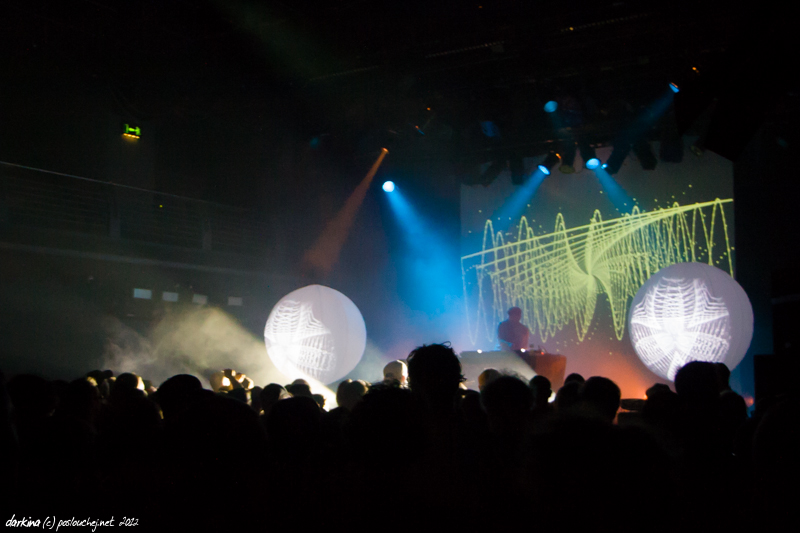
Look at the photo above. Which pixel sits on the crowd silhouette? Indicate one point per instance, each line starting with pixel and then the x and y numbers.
pixel 417 449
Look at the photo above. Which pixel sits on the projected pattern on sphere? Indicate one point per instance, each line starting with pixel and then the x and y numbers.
pixel 555 278
pixel 299 341
pixel 679 321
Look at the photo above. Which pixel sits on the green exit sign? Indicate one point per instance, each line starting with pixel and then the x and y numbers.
pixel 131 131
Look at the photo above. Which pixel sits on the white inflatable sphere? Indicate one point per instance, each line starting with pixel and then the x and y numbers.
pixel 690 312
pixel 315 332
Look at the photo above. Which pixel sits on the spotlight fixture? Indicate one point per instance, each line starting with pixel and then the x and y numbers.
pixel 550 106
pixel 588 154
pixel 698 148
pixel 618 155
pixel 568 158
pixel 490 129
pixel 671 146
pixel 674 88
pixel 388 186
pixel 549 163
pixel 491 173
pixel 645 154
pixel 517 168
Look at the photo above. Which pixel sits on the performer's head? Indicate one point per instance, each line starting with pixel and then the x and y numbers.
pixel 515 314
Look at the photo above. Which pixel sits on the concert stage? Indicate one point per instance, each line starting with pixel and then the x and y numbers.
pixel 527 364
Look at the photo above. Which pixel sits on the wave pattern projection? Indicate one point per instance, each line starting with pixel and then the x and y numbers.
pixel 556 278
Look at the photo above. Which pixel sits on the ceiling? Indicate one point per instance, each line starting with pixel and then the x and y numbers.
pixel 420 76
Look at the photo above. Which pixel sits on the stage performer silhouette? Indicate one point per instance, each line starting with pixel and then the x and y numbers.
pixel 511 333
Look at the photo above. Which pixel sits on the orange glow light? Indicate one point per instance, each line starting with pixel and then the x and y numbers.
pixel 324 253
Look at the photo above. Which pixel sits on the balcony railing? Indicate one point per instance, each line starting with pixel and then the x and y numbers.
pixel 31 198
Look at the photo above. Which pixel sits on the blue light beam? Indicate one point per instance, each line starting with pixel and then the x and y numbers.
pixel 618 196
pixel 426 257
pixel 514 206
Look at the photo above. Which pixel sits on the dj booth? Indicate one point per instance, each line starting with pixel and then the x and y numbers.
pixel 527 364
